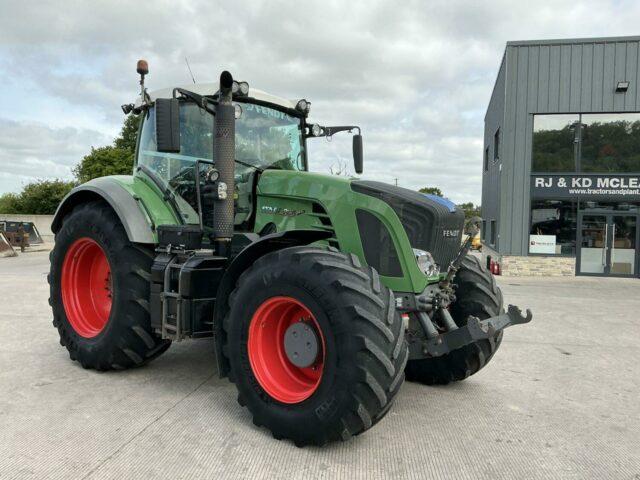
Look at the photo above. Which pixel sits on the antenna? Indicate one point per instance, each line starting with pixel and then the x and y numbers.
pixel 190 72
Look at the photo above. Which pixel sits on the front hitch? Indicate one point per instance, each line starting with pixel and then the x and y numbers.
pixel 474 330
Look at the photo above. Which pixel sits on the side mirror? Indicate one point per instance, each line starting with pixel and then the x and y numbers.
pixel 168 125
pixel 358 159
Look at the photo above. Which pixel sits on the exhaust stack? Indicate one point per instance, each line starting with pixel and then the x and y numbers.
pixel 224 154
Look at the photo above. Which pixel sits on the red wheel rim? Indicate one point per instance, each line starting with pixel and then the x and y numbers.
pixel 280 378
pixel 86 287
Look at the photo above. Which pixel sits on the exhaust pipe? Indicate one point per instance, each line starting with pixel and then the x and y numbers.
pixel 224 154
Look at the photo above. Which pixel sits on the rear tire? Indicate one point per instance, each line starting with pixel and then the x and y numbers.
pixel 476 294
pixel 117 334
pixel 360 366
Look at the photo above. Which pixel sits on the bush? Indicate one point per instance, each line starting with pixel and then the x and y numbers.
pixel 38 198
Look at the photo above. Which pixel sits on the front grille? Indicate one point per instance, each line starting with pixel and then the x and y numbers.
pixel 430 225
pixel 379 251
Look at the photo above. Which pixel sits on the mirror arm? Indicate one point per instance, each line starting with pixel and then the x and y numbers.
pixel 330 131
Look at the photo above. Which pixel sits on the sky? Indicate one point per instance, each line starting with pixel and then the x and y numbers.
pixel 415 75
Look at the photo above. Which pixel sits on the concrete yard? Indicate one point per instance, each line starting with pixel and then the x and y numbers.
pixel 561 399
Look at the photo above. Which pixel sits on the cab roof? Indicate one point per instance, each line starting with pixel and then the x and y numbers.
pixel 212 88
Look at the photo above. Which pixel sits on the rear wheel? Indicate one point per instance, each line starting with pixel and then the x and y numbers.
pixel 315 345
pixel 476 294
pixel 99 290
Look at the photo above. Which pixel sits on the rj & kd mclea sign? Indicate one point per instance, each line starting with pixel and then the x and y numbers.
pixel 586 186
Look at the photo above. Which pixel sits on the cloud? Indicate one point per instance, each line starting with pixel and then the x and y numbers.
pixel 36 151
pixel 416 75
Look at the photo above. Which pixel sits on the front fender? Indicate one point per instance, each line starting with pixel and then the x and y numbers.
pixel 242 261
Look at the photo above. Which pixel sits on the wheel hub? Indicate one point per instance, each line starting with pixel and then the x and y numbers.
pixel 86 287
pixel 286 349
pixel 301 344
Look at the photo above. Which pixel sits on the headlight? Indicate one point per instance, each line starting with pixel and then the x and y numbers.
pixel 426 263
pixel 303 106
pixel 316 130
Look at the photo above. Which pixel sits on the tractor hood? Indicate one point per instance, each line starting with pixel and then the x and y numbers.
pixel 378 222
pixel 433 224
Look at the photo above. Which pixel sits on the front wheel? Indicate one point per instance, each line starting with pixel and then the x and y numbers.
pixel 476 294
pixel 315 345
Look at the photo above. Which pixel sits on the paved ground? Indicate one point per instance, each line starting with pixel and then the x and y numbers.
pixel 561 399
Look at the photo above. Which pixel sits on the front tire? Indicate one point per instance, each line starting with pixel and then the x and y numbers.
pixel 99 291
pixel 476 294
pixel 351 382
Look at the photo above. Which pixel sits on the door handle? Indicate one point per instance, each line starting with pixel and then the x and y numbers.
pixel 613 239
pixel 606 241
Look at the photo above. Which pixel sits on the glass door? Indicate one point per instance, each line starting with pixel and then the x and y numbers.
pixel 623 243
pixel 593 244
pixel 608 244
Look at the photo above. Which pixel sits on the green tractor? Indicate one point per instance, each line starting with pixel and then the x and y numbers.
pixel 321 292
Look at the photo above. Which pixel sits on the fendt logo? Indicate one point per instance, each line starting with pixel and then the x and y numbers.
pixel 450 233
pixel 281 211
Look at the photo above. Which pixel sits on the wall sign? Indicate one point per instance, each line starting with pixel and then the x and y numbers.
pixel 542 244
pixel 616 187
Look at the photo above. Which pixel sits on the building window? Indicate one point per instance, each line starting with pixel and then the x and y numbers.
pixel 589 143
pixel 554 147
pixel 496 146
pixel 610 143
pixel 492 236
pixel 553 227
pixel 486 159
pixel 483 230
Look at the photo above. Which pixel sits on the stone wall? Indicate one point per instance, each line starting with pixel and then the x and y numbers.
pixel 537 265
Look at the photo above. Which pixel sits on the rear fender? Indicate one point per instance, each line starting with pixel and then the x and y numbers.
pixel 135 218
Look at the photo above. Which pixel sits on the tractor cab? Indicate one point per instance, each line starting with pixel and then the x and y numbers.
pixel 269 134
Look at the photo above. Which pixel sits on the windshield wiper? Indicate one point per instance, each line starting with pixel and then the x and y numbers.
pixel 258 169
pixel 199 100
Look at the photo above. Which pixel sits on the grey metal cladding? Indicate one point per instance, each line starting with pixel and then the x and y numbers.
pixel 549 76
pixel 123 203
pixel 493 121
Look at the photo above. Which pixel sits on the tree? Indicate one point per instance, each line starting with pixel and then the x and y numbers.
pixel 339 168
pixel 470 210
pixel 432 191
pixel 9 203
pixel 116 159
pixel 103 161
pixel 129 133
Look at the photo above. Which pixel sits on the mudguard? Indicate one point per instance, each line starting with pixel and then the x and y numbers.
pixel 134 218
pixel 267 244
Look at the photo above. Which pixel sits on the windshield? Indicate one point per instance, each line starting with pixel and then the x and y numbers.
pixel 265 138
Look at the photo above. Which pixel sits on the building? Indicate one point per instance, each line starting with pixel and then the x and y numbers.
pixel 561 166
